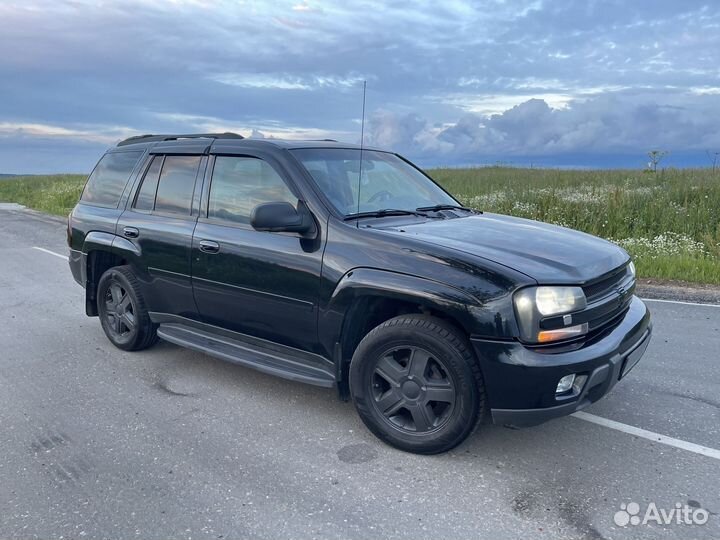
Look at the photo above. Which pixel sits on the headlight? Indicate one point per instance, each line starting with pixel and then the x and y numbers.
pixel 534 304
pixel 559 300
pixel 631 266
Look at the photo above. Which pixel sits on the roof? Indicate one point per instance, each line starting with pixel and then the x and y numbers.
pixel 287 144
pixel 175 137
pixel 231 141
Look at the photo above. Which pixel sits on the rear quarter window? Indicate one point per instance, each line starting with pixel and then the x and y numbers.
pixel 176 184
pixel 108 180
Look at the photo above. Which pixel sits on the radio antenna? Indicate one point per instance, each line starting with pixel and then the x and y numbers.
pixel 362 139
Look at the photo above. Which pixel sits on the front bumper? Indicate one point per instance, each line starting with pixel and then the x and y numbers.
pixel 77 263
pixel 520 381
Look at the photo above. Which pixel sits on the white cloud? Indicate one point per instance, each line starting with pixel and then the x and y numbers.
pixel 284 81
pixel 498 103
pixel 445 77
pixel 97 133
pixel 268 128
pixel 247 80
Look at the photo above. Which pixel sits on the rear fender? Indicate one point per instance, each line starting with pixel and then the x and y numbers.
pixel 117 247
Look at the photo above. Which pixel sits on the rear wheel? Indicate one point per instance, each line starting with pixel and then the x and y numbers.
pixel 417 385
pixel 122 311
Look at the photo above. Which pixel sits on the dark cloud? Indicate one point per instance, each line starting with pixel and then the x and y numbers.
pixel 447 81
pixel 609 124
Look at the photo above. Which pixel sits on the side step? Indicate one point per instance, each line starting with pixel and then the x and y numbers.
pixel 288 363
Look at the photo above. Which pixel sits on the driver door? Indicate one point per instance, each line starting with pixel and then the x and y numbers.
pixel 264 284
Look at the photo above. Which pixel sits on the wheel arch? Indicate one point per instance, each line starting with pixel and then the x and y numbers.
pixel 102 251
pixel 366 297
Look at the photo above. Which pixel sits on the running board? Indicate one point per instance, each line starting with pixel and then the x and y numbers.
pixel 254 355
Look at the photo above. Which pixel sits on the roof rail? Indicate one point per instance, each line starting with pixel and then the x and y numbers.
pixel 153 138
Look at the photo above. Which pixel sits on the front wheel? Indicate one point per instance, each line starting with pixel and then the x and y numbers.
pixel 417 385
pixel 122 311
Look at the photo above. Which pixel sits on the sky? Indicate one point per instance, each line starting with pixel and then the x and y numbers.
pixel 522 82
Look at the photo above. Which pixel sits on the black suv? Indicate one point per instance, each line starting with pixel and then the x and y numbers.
pixel 333 265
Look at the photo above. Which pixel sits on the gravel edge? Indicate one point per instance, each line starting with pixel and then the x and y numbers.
pixel 678 291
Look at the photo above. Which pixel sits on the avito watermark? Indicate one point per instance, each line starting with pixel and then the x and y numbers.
pixel 680 514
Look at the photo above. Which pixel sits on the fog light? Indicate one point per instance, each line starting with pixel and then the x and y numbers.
pixel 579 383
pixel 565 384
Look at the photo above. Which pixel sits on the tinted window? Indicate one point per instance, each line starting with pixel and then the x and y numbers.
pixel 145 199
pixel 177 180
pixel 239 184
pixel 387 181
pixel 108 180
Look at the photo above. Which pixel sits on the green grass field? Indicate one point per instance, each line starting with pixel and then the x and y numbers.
pixel 669 221
pixel 54 194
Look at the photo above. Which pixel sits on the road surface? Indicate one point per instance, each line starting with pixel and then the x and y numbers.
pixel 100 443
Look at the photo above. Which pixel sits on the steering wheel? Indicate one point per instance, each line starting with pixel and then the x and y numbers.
pixel 385 195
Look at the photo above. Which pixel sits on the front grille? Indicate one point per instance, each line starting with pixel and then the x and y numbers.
pixel 608 298
pixel 606 285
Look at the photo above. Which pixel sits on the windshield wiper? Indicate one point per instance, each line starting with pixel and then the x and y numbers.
pixel 437 207
pixel 385 212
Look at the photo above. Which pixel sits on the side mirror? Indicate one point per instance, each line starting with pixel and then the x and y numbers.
pixel 282 217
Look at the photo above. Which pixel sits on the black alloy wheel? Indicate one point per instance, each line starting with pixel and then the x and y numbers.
pixel 412 390
pixel 119 311
pixel 123 314
pixel 417 385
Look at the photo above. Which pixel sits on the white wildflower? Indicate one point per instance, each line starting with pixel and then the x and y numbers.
pixel 668 243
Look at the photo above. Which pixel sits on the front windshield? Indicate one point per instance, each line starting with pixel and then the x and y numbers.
pixel 387 182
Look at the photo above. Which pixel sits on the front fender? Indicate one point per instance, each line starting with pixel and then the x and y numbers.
pixel 426 292
pixel 342 309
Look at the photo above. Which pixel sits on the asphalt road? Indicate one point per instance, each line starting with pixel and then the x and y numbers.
pixel 99 443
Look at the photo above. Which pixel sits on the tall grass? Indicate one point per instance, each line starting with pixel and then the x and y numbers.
pixel 669 221
pixel 54 194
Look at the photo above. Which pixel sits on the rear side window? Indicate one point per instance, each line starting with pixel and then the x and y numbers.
pixel 145 199
pixel 176 184
pixel 168 185
pixel 108 180
pixel 239 184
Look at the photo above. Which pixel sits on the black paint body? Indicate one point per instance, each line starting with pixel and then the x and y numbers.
pixel 316 295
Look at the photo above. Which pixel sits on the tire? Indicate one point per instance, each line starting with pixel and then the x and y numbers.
pixel 122 311
pixel 417 385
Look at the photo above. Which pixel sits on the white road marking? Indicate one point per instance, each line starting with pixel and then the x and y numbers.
pixel 649 435
pixel 679 302
pixel 51 252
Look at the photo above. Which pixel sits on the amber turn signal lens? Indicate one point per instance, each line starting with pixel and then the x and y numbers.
pixel 570 332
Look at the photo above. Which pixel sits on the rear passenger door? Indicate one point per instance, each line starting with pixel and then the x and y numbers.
pixel 159 223
pixel 264 284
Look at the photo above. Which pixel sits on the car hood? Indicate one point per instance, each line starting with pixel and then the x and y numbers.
pixel 546 253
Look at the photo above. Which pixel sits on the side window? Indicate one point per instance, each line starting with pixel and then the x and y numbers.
pixel 145 199
pixel 239 184
pixel 108 180
pixel 176 183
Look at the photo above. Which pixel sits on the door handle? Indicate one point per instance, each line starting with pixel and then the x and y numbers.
pixel 208 246
pixel 131 232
